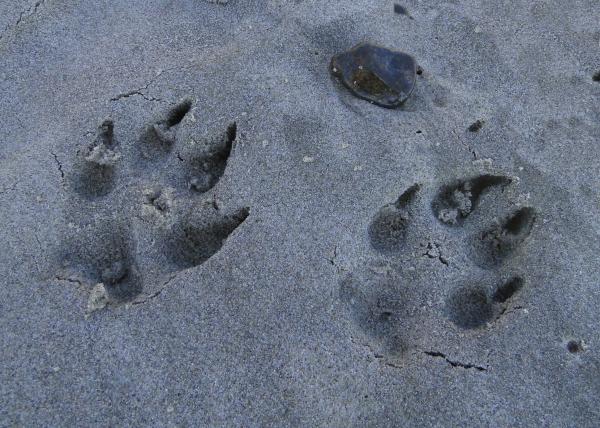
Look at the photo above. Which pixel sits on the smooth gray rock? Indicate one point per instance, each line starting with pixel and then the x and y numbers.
pixel 376 74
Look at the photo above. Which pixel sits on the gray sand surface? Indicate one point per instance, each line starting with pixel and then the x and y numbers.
pixel 237 252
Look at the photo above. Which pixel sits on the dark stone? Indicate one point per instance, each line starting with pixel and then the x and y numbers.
pixel 379 75
pixel 401 10
pixel 476 126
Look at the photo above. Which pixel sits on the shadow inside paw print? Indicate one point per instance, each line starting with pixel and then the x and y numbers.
pixel 379 308
pixel 107 258
pixel 501 240
pixel 455 202
pixel 96 163
pixel 204 164
pixel 138 223
pixel 471 306
pixel 159 137
pixel 475 251
pixel 200 234
pixel 387 231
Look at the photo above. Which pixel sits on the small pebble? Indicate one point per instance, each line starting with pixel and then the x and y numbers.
pixel 98 298
pixel 376 74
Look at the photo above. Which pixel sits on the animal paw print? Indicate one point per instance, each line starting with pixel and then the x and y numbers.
pixel 446 260
pixel 141 210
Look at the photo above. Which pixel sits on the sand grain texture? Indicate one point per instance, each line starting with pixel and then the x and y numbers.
pixel 274 251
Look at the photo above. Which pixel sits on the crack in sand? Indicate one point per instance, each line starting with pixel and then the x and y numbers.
pixel 157 293
pixel 139 92
pixel 133 93
pixel 69 279
pixel 512 310
pixel 434 251
pixel 59 164
pixel 454 363
pixel 23 15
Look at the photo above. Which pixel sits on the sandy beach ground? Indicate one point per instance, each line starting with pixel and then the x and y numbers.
pixel 202 226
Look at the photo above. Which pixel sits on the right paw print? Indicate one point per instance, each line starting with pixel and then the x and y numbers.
pixel 143 210
pixel 448 259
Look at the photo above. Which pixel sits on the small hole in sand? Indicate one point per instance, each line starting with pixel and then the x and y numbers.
pixel 419 70
pixel 400 10
pixel 596 76
pixel 177 114
pixel 476 126
pixel 521 221
pixel 574 346
pixel 506 291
